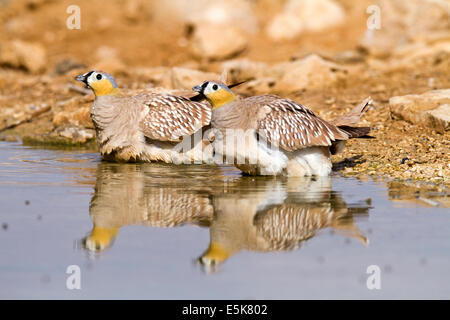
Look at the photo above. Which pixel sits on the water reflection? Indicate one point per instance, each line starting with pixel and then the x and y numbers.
pixel 242 213
pixel 142 194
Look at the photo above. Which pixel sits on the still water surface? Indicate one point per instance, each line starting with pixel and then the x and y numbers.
pixel 152 231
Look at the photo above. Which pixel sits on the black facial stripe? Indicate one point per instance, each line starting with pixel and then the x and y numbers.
pixel 86 75
pixel 204 85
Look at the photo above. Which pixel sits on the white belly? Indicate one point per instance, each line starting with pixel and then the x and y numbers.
pixel 255 157
pixel 314 161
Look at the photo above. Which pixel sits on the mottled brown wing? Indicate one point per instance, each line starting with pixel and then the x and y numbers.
pixel 293 126
pixel 170 117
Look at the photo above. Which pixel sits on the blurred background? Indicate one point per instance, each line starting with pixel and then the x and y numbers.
pixel 36 34
pixel 326 54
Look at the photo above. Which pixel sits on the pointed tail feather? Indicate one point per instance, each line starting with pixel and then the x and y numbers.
pixel 356 132
pixel 352 118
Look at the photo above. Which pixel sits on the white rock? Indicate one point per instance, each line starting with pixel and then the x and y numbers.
pixel 285 26
pixel 430 109
pixel 237 13
pixel 305 15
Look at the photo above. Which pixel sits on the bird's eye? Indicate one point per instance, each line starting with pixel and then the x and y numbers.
pixel 215 87
pixel 99 76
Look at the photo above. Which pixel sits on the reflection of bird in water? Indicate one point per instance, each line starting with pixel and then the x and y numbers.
pixel 274 216
pixel 243 213
pixel 129 194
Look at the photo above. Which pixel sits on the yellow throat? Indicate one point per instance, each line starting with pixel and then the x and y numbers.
pixel 220 98
pixel 216 253
pixel 101 238
pixel 104 87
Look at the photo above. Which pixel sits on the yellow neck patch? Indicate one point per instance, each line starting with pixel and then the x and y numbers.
pixel 220 98
pixel 102 237
pixel 104 87
pixel 216 252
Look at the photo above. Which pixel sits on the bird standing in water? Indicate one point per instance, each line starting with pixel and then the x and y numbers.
pixel 279 136
pixel 144 127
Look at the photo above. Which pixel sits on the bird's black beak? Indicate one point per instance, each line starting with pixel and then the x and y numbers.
pixel 198 89
pixel 200 96
pixel 82 78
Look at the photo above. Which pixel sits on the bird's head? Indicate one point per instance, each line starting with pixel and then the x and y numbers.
pixel 101 83
pixel 216 92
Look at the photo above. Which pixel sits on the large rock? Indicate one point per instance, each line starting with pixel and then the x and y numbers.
pixel 238 13
pixel 157 76
pixel 11 117
pixel 245 69
pixel 217 42
pixel 405 22
pixel 78 117
pixel 431 109
pixel 215 30
pixel 74 111
pixel 21 54
pixel 311 71
pixel 305 15
pixel 108 60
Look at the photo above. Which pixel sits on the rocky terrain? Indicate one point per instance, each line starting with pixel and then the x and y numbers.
pixel 326 54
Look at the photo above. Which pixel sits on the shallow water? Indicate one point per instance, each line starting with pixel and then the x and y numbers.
pixel 200 232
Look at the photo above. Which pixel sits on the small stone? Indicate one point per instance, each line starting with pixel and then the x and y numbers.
pixel 183 78
pixel 75 134
pixel 404 160
pixel 67 65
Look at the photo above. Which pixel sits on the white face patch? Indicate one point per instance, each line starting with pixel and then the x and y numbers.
pixel 95 77
pixel 212 87
pixel 98 76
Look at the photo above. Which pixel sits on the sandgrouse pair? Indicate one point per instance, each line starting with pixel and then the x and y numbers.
pixel 260 135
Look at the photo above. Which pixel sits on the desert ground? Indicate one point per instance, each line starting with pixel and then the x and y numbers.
pixel 327 55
